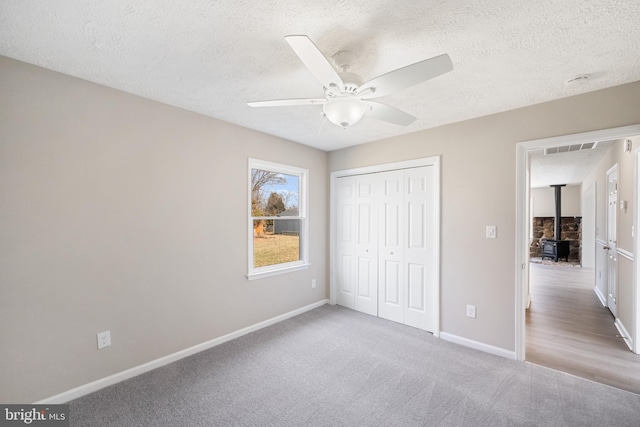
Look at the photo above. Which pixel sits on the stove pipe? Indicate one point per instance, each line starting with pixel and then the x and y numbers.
pixel 558 214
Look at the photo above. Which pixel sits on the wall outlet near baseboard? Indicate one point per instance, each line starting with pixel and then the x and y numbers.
pixel 313 283
pixel 104 339
pixel 471 311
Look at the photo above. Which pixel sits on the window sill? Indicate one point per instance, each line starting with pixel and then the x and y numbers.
pixel 275 272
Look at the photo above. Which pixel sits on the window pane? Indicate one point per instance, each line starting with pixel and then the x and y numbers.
pixel 274 194
pixel 276 241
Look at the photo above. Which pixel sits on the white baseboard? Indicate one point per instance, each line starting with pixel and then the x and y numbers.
pixel 487 348
pixel 91 387
pixel 624 333
pixel 601 297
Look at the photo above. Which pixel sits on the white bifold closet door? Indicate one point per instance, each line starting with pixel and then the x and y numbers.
pixel 385 245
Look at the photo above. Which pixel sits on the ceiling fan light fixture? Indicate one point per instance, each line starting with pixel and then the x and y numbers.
pixel 344 111
pixel 346 99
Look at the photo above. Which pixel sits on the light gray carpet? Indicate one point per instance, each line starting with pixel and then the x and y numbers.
pixel 337 367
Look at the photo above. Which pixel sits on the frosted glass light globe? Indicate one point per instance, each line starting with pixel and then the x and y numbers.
pixel 344 111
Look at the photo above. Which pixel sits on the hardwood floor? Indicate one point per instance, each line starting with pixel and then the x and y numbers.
pixel 569 330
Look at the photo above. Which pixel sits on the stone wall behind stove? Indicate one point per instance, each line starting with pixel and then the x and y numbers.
pixel 571 230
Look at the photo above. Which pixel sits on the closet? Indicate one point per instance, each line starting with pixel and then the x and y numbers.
pixel 386 244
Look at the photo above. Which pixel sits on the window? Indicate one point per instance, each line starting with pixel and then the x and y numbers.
pixel 277 218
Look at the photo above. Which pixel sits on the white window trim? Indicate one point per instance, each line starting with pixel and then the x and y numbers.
pixel 303 191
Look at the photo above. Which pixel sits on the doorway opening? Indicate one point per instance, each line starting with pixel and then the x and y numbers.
pixel 572 280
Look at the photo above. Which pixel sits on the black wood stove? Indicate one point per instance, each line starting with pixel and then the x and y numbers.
pixel 555 249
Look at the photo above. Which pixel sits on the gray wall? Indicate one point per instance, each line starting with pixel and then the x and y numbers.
pixel 478 189
pixel 123 214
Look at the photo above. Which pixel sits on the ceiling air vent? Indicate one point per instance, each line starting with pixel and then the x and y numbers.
pixel 570 148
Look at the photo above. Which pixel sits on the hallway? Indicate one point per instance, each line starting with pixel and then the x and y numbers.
pixel 569 330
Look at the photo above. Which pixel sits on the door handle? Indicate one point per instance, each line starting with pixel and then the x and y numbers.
pixel 606 248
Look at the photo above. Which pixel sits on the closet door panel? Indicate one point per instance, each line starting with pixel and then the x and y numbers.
pixel 366 247
pixel 416 231
pixel 416 287
pixel 390 249
pixel 345 233
pixel 419 252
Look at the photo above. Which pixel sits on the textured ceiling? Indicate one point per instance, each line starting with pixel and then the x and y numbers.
pixel 214 56
pixel 565 168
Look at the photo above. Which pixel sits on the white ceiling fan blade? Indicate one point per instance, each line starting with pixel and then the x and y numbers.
pixel 389 114
pixel 287 102
pixel 405 77
pixel 315 61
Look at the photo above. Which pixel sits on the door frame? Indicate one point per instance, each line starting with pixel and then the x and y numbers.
pixel 522 218
pixel 612 273
pixel 589 207
pixel 636 248
pixel 425 161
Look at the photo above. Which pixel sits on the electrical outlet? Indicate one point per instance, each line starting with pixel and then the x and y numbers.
pixel 491 231
pixel 313 283
pixel 104 339
pixel 471 311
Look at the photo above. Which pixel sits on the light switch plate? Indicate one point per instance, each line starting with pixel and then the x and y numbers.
pixel 492 231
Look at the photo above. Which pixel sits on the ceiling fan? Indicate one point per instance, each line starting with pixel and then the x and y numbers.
pixel 347 99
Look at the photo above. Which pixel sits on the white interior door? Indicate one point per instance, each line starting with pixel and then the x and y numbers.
pixel 612 240
pixel 366 292
pixel 420 247
pixel 391 247
pixel 345 241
